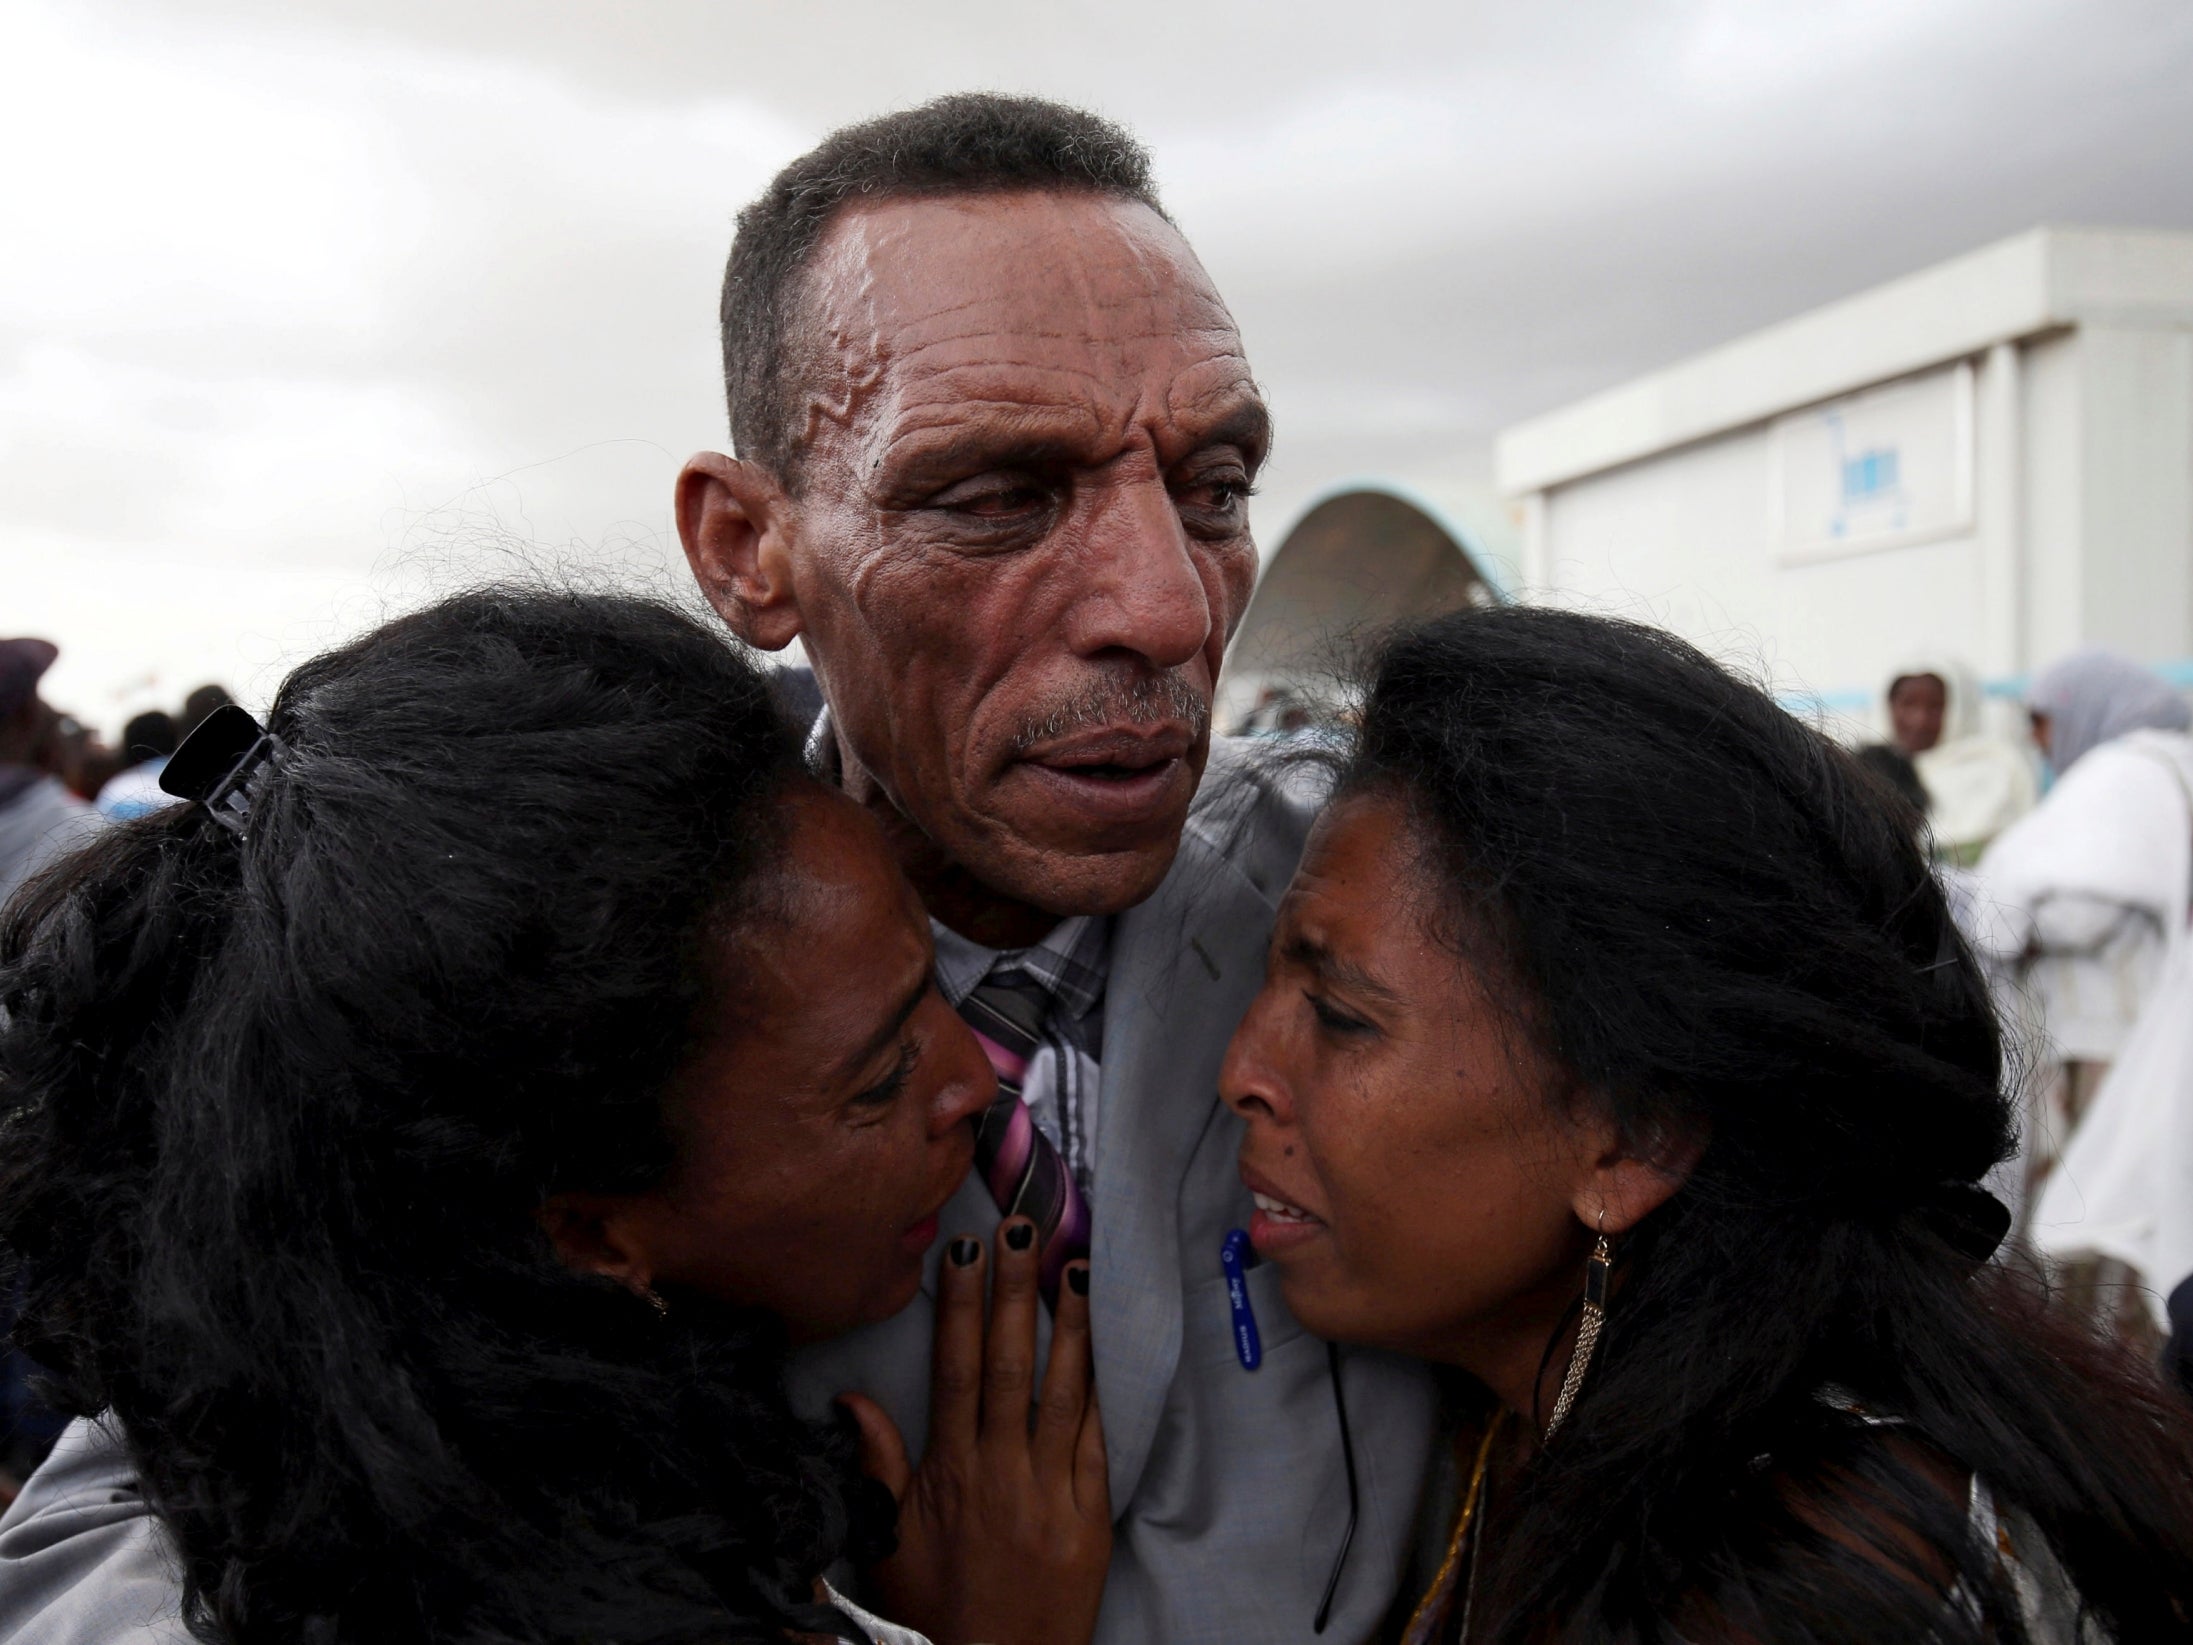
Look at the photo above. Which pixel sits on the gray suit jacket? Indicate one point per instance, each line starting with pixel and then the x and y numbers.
pixel 82 1559
pixel 1228 1486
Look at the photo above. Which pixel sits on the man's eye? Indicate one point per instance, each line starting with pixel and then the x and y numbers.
pixel 996 502
pixel 1224 494
pixel 1332 1017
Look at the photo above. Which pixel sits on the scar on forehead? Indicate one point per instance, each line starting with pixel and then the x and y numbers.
pixel 840 375
pixel 837 347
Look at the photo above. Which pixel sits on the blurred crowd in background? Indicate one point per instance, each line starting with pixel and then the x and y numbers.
pixel 58 777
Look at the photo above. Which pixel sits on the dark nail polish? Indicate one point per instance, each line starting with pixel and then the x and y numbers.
pixel 1078 1280
pixel 1020 1236
pixel 963 1252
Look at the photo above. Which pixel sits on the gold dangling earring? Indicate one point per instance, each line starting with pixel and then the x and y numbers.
pixel 1597 1267
pixel 653 1299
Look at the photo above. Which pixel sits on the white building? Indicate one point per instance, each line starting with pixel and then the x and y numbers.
pixel 1991 458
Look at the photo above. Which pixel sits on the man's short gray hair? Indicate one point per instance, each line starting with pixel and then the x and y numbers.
pixel 970 143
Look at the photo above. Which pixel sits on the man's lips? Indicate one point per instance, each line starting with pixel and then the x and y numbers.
pixel 1133 777
pixel 1127 748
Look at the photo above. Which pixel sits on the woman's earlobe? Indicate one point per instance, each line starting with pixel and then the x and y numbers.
pixel 593 1234
pixel 1629 1182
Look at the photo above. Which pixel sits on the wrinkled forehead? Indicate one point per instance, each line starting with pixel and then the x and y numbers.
pixel 1053 302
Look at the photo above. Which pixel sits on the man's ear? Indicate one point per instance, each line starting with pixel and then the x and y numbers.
pixel 600 1234
pixel 1628 1181
pixel 734 520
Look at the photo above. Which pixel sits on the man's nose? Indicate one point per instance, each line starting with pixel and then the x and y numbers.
pixel 1143 591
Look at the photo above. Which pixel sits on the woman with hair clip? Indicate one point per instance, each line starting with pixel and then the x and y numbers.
pixel 1617 1053
pixel 419 1151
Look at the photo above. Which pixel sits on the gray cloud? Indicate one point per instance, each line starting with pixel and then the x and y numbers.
pixel 302 300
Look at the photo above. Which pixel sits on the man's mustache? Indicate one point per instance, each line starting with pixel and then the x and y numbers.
pixel 1143 699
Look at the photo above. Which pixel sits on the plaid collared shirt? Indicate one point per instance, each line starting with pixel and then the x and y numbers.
pixel 1064 1076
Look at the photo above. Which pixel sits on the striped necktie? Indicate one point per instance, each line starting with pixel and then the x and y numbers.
pixel 1025 1173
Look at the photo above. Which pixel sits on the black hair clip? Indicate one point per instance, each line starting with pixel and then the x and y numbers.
pixel 221 762
pixel 1971 1219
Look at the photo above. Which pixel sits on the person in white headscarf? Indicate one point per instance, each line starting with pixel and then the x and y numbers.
pixel 2090 890
pixel 2086 901
pixel 1975 785
pixel 2093 697
pixel 2120 1200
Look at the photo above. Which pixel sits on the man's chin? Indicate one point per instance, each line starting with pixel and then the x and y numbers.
pixel 1089 877
pixel 1062 845
pixel 1097 809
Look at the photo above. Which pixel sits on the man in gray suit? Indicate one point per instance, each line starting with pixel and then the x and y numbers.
pixel 996 437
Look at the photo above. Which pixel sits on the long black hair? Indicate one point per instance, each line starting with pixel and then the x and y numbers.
pixel 1718 928
pixel 277 1113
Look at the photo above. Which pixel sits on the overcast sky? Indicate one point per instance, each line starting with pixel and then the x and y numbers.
pixel 309 305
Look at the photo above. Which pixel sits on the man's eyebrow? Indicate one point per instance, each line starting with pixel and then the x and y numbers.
pixel 1248 426
pixel 940 459
pixel 1038 443
pixel 852 1064
pixel 1322 963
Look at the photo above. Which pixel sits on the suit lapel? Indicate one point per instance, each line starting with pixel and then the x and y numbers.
pixel 1185 965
